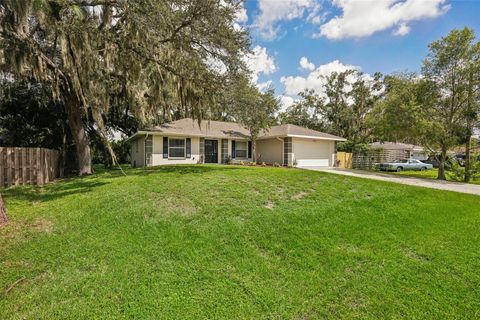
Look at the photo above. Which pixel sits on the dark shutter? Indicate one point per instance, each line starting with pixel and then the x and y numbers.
pixel 233 149
pixel 188 148
pixel 165 147
pixel 249 149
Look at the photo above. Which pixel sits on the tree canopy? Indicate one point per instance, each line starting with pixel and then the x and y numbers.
pixel 342 109
pixel 147 58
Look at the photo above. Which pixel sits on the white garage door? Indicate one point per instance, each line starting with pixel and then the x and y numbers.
pixel 312 163
pixel 312 153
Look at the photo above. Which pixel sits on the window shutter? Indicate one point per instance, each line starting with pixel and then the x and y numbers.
pixel 233 149
pixel 249 149
pixel 188 147
pixel 165 147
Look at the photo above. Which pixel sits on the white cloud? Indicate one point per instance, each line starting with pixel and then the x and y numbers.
pixel 264 85
pixel 363 18
pixel 402 30
pixel 260 62
pixel 315 79
pixel 306 65
pixel 285 102
pixel 272 12
pixel 241 15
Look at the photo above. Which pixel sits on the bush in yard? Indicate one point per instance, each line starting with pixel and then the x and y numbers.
pixel 457 172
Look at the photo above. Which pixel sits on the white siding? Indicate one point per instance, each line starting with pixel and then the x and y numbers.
pixel 157 155
pixel 313 152
pixel 137 152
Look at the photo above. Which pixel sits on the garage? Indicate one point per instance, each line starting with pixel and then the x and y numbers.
pixel 313 152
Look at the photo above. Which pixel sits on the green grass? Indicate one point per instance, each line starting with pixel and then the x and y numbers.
pixel 429 174
pixel 196 242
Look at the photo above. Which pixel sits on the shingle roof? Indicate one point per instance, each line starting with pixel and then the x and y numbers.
pixel 395 146
pixel 232 130
pixel 285 130
pixel 207 128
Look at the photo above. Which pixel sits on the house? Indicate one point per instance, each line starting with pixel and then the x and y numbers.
pixel 404 150
pixel 186 142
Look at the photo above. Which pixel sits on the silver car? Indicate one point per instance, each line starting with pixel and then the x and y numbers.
pixel 401 165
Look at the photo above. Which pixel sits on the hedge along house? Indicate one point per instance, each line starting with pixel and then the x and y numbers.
pixel 186 141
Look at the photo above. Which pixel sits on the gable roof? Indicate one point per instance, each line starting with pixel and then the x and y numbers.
pixel 291 130
pixel 207 128
pixel 231 130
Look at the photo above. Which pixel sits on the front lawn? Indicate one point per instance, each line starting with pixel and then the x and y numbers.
pixel 232 242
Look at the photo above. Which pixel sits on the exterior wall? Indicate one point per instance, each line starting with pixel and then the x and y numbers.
pixel 418 155
pixel 137 158
pixel 157 154
pixel 270 150
pixel 313 152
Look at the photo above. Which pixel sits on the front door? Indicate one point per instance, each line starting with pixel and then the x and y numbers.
pixel 211 151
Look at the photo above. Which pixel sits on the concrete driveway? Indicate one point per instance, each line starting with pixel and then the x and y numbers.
pixel 427 183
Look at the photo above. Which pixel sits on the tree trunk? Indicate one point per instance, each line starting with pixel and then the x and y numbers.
pixel 82 147
pixel 468 164
pixel 3 212
pixel 254 151
pixel 441 167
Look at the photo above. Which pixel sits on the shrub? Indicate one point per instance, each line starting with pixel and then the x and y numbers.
pixel 456 173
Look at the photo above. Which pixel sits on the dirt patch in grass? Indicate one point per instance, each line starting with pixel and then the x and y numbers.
pixel 409 253
pixel 43 225
pixel 269 205
pixel 299 195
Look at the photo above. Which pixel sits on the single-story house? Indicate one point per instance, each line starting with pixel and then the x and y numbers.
pixel 408 151
pixel 185 141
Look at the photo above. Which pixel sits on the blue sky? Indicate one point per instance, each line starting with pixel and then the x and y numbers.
pixel 381 35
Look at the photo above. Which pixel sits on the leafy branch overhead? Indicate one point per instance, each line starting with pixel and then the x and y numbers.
pixel 149 58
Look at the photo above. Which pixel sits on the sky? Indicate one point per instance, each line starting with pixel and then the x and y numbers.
pixel 294 42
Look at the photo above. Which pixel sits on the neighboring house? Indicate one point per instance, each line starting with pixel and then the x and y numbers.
pixel 406 151
pixel 186 142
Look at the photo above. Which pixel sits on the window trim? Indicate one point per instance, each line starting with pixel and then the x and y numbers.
pixel 246 149
pixel 184 148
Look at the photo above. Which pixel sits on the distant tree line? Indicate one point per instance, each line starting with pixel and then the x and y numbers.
pixel 438 108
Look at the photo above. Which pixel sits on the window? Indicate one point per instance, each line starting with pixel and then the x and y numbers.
pixel 176 148
pixel 240 149
pixel 136 146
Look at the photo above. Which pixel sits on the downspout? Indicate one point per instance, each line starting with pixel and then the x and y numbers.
pixel 283 149
pixel 145 149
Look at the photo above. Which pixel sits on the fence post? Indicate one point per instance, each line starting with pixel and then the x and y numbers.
pixel 9 166
pixel 38 166
pixel 2 171
pixel 24 166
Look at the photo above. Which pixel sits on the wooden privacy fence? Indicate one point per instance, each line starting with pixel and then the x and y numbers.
pixel 344 160
pixel 21 166
pixel 368 159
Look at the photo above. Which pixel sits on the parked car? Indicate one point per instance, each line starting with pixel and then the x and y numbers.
pixel 401 165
